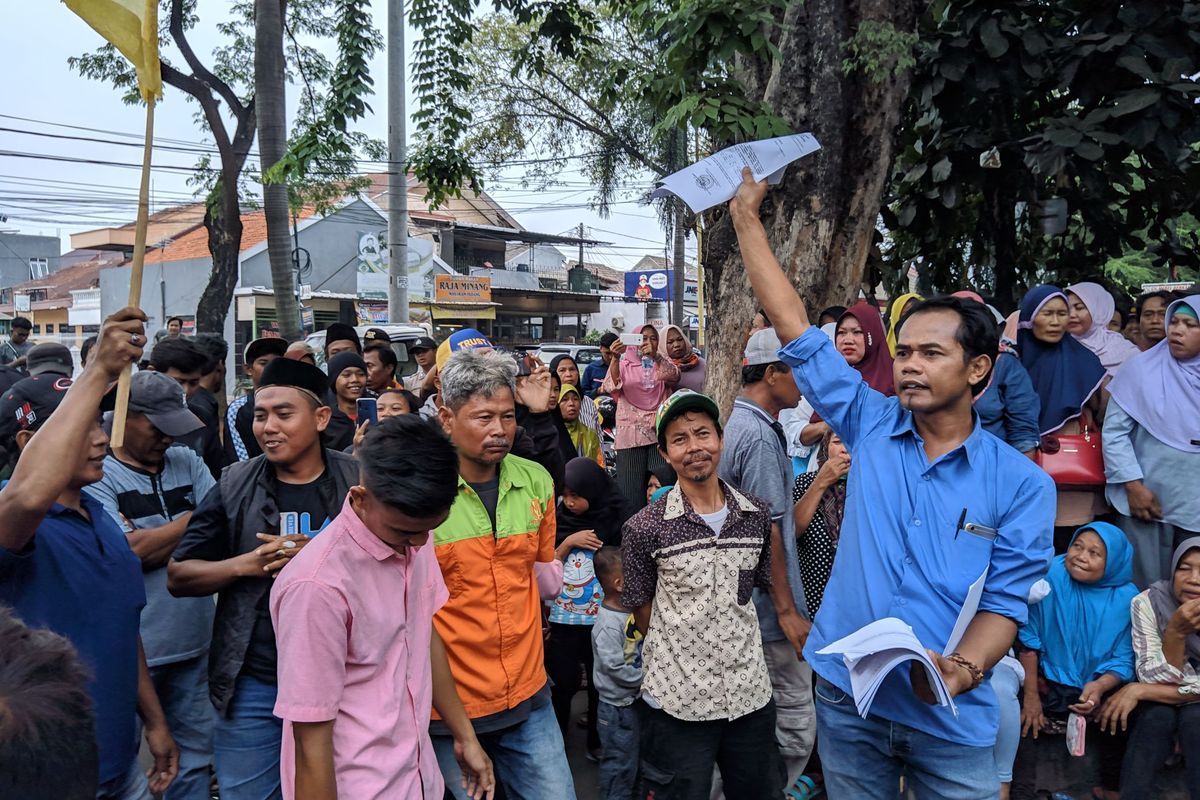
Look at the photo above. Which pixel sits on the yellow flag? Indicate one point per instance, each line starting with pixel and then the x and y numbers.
pixel 132 27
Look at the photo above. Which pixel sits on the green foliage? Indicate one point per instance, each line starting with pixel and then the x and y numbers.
pixel 644 69
pixel 320 165
pixel 1085 100
pixel 324 157
pixel 879 51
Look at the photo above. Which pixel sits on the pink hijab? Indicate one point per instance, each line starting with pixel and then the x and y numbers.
pixel 631 378
pixel 1110 347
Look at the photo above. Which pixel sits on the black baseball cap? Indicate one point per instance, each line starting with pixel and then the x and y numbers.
pixel 376 337
pixel 164 403
pixel 266 346
pixel 423 343
pixel 50 357
pixel 29 403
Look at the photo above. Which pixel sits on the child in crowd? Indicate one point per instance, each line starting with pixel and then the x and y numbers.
pixel 617 676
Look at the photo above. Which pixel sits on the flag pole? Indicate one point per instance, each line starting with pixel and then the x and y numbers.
pixel 135 274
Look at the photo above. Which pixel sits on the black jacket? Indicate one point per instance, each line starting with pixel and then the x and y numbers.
pixel 226 524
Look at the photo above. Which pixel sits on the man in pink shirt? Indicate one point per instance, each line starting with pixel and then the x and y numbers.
pixel 359 662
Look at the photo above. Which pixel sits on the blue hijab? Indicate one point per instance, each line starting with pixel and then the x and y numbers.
pixel 1064 374
pixel 1082 630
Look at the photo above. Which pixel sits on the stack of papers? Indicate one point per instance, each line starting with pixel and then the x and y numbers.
pixel 715 179
pixel 875 649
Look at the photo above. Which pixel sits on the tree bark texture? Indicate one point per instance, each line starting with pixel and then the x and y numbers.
pixel 821 219
pixel 270 95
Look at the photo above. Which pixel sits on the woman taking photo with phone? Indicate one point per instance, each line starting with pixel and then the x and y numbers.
pixel 639 379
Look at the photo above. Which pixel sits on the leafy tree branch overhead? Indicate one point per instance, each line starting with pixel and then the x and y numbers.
pixel 222 87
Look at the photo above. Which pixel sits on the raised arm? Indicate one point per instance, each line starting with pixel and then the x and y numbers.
pixel 775 293
pixel 39 477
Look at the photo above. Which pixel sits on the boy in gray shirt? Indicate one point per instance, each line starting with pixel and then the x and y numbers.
pixel 617 676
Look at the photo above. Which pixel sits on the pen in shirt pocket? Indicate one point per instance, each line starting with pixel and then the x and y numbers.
pixel 982 531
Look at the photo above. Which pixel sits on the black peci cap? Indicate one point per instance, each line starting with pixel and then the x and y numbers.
pixel 296 374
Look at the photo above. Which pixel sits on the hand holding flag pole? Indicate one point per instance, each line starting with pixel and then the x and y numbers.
pixel 132 27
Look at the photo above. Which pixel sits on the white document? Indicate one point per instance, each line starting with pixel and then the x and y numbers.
pixel 970 606
pixel 715 179
pixel 877 648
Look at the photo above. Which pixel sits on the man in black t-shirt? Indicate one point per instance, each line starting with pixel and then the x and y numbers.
pixel 261 513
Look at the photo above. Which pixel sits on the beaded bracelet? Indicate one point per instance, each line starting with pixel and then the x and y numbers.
pixel 976 672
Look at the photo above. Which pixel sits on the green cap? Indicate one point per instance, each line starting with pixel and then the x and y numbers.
pixel 681 401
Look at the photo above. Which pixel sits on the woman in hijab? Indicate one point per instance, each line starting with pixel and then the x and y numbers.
pixel 589 516
pixel 347 380
pixel 1076 646
pixel 678 348
pixel 820 504
pixel 585 443
pixel 1008 407
pixel 1163 705
pixel 895 313
pixel 1067 378
pixel 1091 311
pixel 639 379
pixel 860 339
pixel 1152 443
pixel 567 370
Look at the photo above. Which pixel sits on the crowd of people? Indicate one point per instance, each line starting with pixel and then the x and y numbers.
pixel 359 583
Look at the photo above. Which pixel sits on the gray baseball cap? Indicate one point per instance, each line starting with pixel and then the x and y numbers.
pixel 50 357
pixel 763 348
pixel 164 403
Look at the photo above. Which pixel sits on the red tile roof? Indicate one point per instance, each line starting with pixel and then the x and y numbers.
pixel 194 244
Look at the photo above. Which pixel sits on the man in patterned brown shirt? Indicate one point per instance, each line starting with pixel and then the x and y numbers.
pixel 691 562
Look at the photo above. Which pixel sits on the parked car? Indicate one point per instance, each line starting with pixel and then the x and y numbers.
pixel 402 336
pixel 583 354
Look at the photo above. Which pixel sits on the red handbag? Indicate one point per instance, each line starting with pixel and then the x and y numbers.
pixel 1074 460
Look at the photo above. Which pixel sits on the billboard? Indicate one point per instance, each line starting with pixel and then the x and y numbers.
pixel 649 284
pixel 372 267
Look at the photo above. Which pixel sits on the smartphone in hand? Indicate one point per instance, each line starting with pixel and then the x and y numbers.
pixel 368 410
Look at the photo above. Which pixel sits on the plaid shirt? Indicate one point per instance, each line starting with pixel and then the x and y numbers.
pixel 703 651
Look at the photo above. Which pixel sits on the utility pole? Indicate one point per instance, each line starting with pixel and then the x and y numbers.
pixel 397 169
pixel 581 244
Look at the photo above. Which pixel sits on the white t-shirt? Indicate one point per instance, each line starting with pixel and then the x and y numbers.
pixel 716 520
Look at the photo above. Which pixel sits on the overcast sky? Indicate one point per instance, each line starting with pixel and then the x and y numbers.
pixel 42 95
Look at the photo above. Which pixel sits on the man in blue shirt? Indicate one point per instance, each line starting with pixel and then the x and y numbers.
pixel 593 373
pixel 933 501
pixel 64 563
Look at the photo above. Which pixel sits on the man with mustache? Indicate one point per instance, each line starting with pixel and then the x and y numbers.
pixel 150 487
pixel 692 561
pixel 934 504
pixel 496 552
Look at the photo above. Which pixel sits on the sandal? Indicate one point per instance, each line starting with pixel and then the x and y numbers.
pixel 805 788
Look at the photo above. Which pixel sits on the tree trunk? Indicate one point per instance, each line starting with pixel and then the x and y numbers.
pixel 270 96
pixel 821 219
pixel 224 243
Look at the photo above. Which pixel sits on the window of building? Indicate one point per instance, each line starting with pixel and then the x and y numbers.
pixel 38 268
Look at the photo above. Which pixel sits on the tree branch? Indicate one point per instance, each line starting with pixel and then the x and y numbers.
pixel 199 71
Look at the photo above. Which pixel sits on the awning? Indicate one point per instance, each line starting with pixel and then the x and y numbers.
pixel 451 310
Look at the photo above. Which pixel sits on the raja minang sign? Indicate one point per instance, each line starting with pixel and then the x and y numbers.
pixel 462 289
